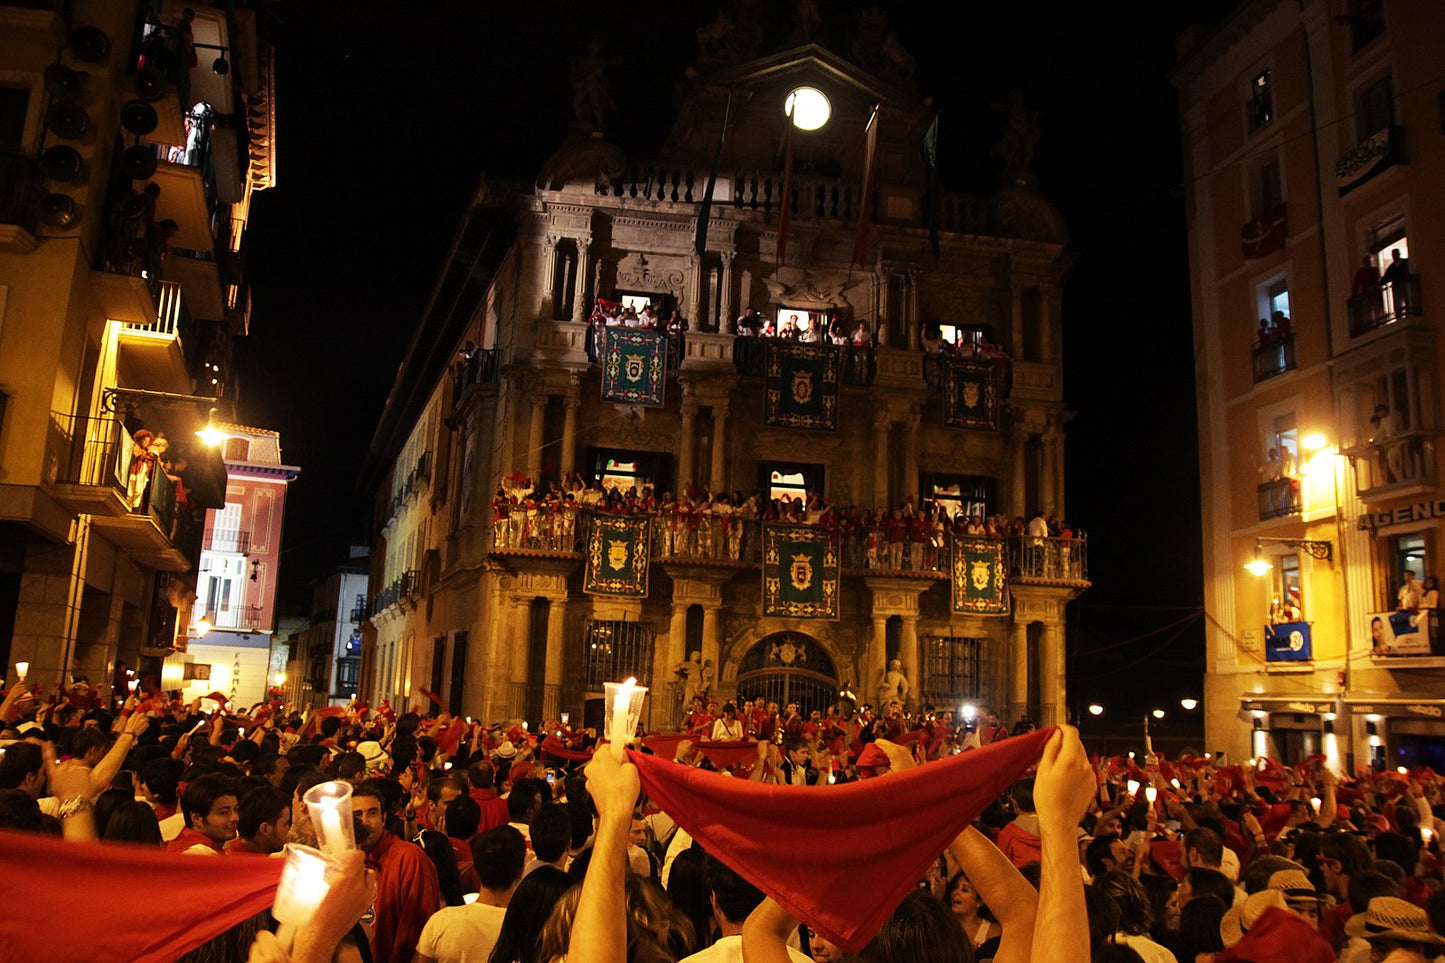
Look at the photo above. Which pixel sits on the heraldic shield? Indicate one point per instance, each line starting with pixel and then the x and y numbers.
pixel 979 578
pixel 802 386
pixel 800 572
pixel 617 556
pixel 634 366
pixel 970 394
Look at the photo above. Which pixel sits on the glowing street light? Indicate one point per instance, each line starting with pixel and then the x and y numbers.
pixel 1189 705
pixel 1158 713
pixel 202 627
pixel 808 108
pixel 1096 710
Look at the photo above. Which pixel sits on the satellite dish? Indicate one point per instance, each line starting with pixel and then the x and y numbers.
pixel 90 44
pixel 149 84
pixel 63 83
pixel 61 163
pixel 138 117
pixel 67 120
pixel 58 210
pixel 138 162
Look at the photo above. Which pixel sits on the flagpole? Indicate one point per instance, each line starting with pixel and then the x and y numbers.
pixel 705 212
pixel 787 189
pixel 865 201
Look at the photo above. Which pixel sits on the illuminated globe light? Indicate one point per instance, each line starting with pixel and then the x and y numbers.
pixel 212 435
pixel 1314 441
pixel 202 627
pixel 1189 705
pixel 808 108
pixel 1158 713
pixel 1258 567
pixel 1096 710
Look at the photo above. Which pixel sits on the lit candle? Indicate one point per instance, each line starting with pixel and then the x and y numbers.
pixel 331 837
pixel 1174 783
pixel 524 726
pixel 621 717
pixel 1133 785
pixel 21 669
pixel 1151 794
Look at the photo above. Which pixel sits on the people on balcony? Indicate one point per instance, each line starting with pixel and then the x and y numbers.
pixel 1367 277
pixel 1279 483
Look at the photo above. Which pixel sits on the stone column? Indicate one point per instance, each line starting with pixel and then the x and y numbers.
pixel 912 319
pixel 692 291
pixel 877 656
pixel 514 699
pixel 745 288
pixel 568 460
pixel 1052 710
pixel 1047 481
pixel 1058 471
pixel 1020 472
pixel 556 656
pixel 908 655
pixel 677 635
pixel 1016 321
pixel 875 307
pixel 710 642
pixel 727 312
pixel 911 451
pixel 579 294
pixel 718 480
pixel 1018 672
pixel 685 465
pixel 534 437
pixel 549 271
pixel 882 421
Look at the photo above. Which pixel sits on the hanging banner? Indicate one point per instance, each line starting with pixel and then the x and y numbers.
pixel 802 386
pixel 980 577
pixel 1287 642
pixel 800 572
pixel 634 366
pixel 617 556
pixel 970 394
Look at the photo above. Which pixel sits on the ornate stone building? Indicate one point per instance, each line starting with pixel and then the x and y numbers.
pixel 499 383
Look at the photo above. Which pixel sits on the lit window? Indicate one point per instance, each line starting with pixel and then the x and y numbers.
pixel 1261 101
pixel 787 485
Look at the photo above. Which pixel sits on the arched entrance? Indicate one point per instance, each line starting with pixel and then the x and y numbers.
pixel 789 667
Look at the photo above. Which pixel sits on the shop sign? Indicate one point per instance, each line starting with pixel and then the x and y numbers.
pixel 1405 514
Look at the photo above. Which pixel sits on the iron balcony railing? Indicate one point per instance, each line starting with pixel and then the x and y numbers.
pixel 858 364
pixel 1273 358
pixel 1049 559
pixel 100 453
pixel 1401 461
pixel 402 587
pixel 229 540
pixel 481 367
pixel 1278 498
pixel 1385 304
pixel 236 617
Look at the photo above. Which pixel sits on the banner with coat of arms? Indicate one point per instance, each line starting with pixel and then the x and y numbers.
pixel 802 386
pixel 800 572
pixel 634 366
pixel 970 394
pixel 979 577
pixel 617 556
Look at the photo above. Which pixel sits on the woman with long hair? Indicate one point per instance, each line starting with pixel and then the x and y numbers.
pixel 519 940
pixel 979 924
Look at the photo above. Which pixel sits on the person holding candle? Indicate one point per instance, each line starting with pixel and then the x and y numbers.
pixel 407 893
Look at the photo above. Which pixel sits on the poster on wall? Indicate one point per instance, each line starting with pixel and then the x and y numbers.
pixel 1287 642
pixel 1402 632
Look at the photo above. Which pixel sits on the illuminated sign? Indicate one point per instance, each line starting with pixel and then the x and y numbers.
pixel 1418 512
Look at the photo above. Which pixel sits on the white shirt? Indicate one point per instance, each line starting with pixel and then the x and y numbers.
pixel 1151 952
pixel 461 934
pixel 722 732
pixel 729 949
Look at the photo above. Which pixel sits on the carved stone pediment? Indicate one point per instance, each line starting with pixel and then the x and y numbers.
pixel 822 289
pixel 660 273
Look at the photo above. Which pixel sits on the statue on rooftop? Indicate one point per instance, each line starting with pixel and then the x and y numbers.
pixel 589 85
pixel 1020 134
pixel 806 21
pixel 733 35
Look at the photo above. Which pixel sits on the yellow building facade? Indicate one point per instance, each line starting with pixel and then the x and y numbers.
pixel 1313 164
pixel 502 383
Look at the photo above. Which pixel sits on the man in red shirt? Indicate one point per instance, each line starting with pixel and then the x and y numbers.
pixel 209 808
pixel 494 809
pixel 406 881
pixel 1019 840
pixel 264 820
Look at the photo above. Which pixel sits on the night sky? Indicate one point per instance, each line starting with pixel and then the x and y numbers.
pixel 388 113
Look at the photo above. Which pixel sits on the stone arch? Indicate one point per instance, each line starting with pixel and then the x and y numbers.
pixel 826 634
pixel 788 666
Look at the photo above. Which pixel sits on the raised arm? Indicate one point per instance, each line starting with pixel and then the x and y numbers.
pixel 766 932
pixel 110 763
pixel 1007 894
pixel 1062 791
pixel 599 930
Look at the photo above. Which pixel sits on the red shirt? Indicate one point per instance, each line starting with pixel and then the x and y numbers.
pixel 406 896
pixel 1019 845
pixel 191 837
pixel 494 812
pixel 239 846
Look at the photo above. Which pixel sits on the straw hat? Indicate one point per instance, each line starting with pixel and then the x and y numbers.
pixel 1296 886
pixel 505 751
pixel 1392 918
pixel 1239 919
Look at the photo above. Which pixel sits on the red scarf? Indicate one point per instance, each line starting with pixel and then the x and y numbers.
pixel 189 837
pixel 838 857
pixel 47 871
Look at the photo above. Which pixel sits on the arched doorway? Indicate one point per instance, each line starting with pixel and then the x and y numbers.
pixel 789 667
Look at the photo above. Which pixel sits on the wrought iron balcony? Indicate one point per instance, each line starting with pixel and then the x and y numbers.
pixel 236 617
pixel 1389 466
pixel 482 367
pixel 1278 498
pixel 1049 559
pixel 401 588
pixel 1273 358
pixel 229 540
pixel 1384 304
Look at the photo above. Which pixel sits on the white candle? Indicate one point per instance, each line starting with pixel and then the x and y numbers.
pixel 621 712
pixel 21 668
pixel 1133 785
pixel 1151 794
pixel 333 838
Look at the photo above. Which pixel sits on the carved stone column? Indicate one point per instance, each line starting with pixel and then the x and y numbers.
pixel 911 448
pixel 556 654
pixel 1018 672
pixel 549 271
pixel 677 635
pixel 718 477
pixel 882 422
pixel 745 290
pixel 1019 482
pixel 1057 451
pixel 568 460
pixel 1052 710
pixel 908 655
pixel 579 294
pixel 521 652
pixel 727 312
pixel 877 656
pixel 912 319
pixel 692 293
pixel 534 436
pixel 1047 464
pixel 710 643
pixel 685 441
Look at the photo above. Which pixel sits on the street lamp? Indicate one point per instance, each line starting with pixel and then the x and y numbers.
pixel 1158 713
pixel 1189 705
pixel 808 108
pixel 203 626
pixel 1324 551
pixel 1096 710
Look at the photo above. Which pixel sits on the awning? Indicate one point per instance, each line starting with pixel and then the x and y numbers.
pixel 1396 704
pixel 1286 702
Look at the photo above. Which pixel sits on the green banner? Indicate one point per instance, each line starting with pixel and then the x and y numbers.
pixel 970 394
pixel 800 572
pixel 980 577
pixel 634 366
pixel 802 386
pixel 617 556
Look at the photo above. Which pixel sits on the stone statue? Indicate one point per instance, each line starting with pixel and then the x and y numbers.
pixel 691 674
pixel 806 21
pixel 1020 134
pixel 705 680
pixel 892 686
pixel 589 85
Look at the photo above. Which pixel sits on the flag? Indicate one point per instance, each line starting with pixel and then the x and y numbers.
pixel 970 394
pixel 787 192
pixel 801 386
pixel 800 572
pixel 979 577
pixel 634 366
pixel 617 556
pixel 865 202
pixel 699 243
pixel 930 184
pixel 1266 233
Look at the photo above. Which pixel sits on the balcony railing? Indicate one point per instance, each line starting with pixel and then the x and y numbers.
pixel 20 189
pixel 481 367
pixel 1389 464
pixel 1278 498
pixel 858 365
pixel 1274 357
pixel 1049 559
pixel 1381 150
pixel 1385 304
pixel 402 587
pixel 130 243
pixel 102 469
pixel 229 540
pixel 236 617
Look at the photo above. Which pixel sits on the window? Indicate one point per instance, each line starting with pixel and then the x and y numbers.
pixel 226 529
pixel 1367 21
pixel 1375 108
pixel 615 650
pixel 1268 188
pixel 623 468
pixel 1410 556
pixel 1287 601
pixel 777 479
pixel 950 670
pixel 1261 101
pixel 973 334
pixel 1276 298
pixel 1284 439
pixel 237 449
pixel 968 495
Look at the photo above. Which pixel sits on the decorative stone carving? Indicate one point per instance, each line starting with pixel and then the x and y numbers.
pixel 733 35
pixel 635 273
pixel 877 48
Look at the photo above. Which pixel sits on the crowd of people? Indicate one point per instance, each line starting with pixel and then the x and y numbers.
pixel 486 842
pixel 698 523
